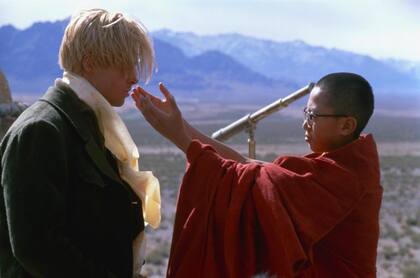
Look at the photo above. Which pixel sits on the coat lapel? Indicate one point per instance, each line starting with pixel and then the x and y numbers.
pixel 62 98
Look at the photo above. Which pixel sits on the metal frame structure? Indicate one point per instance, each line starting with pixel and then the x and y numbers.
pixel 249 121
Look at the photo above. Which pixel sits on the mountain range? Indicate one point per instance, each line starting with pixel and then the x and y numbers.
pixel 298 61
pixel 226 67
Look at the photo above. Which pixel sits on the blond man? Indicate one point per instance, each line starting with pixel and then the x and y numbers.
pixel 73 202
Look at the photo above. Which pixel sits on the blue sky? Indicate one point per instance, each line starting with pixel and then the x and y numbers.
pixel 380 28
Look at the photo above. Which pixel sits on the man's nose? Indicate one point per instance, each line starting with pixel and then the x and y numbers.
pixel 132 77
pixel 133 80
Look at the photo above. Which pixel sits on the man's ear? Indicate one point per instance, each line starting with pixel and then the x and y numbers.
pixel 87 64
pixel 348 126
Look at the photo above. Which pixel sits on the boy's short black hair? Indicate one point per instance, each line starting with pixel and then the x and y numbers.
pixel 349 94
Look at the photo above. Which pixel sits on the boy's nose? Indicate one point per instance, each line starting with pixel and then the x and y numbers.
pixel 305 125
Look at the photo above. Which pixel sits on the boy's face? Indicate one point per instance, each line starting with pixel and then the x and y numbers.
pixel 323 133
pixel 113 83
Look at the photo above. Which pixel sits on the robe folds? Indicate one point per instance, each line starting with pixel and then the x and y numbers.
pixel 311 216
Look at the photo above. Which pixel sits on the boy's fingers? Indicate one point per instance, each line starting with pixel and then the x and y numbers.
pixel 144 93
pixel 137 101
pixel 165 91
pixel 146 103
pixel 135 97
pixel 139 91
pixel 156 101
pixel 151 114
pixel 167 95
pixel 140 101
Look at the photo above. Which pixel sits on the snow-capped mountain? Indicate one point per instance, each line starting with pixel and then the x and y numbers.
pixel 296 60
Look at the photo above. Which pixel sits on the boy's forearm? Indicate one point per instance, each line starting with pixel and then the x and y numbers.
pixel 182 141
pixel 220 148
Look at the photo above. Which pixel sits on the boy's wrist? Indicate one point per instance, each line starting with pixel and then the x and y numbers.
pixel 183 141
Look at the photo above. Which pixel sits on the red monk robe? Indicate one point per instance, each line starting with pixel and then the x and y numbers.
pixel 312 216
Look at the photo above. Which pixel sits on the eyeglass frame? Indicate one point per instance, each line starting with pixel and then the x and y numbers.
pixel 309 116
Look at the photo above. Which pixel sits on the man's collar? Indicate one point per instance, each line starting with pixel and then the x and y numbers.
pixel 62 98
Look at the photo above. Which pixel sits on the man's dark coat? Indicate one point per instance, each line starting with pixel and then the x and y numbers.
pixel 64 211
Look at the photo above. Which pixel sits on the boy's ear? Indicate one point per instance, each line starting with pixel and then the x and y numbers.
pixel 348 126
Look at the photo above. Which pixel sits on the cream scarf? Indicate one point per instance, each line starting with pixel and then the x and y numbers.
pixel 120 143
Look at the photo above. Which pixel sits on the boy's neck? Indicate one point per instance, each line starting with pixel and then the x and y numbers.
pixel 343 142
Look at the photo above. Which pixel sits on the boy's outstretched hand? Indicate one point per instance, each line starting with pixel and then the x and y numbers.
pixel 164 115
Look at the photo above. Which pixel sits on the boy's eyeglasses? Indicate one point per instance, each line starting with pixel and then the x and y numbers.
pixel 309 116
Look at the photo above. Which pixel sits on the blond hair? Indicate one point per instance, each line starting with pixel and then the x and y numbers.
pixel 108 40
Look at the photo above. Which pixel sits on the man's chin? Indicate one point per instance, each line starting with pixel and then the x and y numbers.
pixel 118 103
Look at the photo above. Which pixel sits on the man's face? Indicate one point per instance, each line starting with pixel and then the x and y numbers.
pixel 114 84
pixel 323 134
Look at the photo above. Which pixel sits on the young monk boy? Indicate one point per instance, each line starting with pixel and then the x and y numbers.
pixel 311 216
